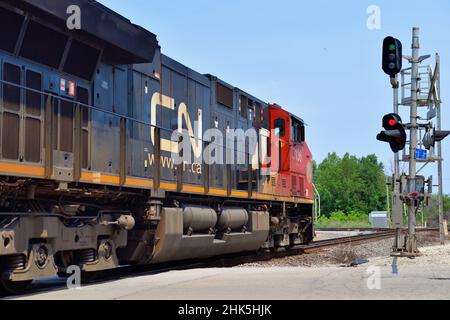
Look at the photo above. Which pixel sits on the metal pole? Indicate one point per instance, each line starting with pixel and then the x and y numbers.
pixel 411 244
pixel 439 149
pixel 397 205
pixel 388 200
pixel 395 86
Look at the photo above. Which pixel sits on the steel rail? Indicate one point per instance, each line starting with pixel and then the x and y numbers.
pixel 368 229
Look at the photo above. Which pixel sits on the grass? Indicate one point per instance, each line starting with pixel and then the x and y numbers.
pixel 343 220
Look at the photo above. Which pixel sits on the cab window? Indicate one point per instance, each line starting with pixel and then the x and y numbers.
pixel 279 127
pixel 298 131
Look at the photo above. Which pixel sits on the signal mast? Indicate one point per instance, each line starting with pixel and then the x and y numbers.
pixel 409 190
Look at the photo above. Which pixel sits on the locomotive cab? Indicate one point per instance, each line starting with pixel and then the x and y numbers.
pixel 291 175
pixel 291 157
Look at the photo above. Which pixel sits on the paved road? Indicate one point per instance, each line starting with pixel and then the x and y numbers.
pixel 411 282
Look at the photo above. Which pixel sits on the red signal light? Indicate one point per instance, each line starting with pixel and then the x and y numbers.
pixel 395 133
pixel 391 121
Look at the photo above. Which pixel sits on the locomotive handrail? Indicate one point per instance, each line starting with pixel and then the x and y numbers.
pixel 82 104
pixel 317 209
pixel 112 113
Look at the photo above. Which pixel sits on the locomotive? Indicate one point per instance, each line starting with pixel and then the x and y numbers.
pixel 87 170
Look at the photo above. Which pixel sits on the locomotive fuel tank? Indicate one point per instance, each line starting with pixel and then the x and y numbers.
pixel 199 219
pixel 173 244
pixel 232 219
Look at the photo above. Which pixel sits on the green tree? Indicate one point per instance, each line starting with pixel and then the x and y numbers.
pixel 350 184
pixel 431 213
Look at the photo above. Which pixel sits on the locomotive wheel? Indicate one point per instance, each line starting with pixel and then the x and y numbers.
pixel 309 235
pixel 14 287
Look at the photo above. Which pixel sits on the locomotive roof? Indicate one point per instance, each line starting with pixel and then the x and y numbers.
pixel 132 43
pixel 276 106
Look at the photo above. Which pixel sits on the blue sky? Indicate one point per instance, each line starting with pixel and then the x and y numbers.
pixel 316 58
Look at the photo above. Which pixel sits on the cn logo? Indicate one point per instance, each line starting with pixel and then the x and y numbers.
pixel 297 154
pixel 194 134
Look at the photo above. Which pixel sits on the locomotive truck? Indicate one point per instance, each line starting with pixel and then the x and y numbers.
pixel 87 176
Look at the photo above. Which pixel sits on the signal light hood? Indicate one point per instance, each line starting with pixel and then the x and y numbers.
pixel 126 42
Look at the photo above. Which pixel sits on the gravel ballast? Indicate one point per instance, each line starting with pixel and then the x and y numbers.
pixel 374 252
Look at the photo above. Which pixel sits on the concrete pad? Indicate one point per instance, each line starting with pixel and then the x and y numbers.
pixel 290 283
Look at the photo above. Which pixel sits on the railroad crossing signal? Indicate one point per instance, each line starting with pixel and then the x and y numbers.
pixel 409 189
pixel 432 136
pixel 394 133
pixel 392 56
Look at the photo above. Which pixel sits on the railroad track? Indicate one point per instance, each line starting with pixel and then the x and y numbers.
pixel 220 262
pixel 369 229
pixel 322 244
pixel 352 229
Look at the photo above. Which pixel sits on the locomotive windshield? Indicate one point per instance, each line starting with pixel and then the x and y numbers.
pixel 298 131
pixel 279 126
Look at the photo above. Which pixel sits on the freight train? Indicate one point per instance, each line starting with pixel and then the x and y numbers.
pixel 87 170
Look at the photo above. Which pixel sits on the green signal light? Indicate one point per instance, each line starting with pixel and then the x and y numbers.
pixel 392 47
